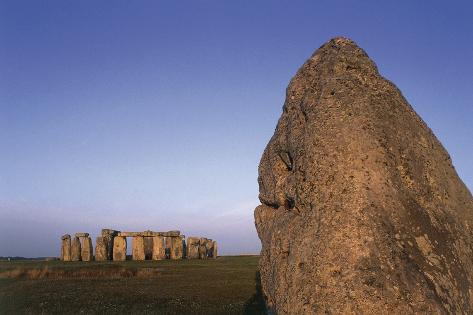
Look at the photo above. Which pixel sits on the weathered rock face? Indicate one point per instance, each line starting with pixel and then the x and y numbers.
pixel 87 252
pixel 101 248
pixel 176 248
pixel 81 234
pixel 184 246
pixel 76 249
pixel 108 235
pixel 66 247
pixel 208 246
pixel 138 249
pixel 119 248
pixel 203 248
pixel 214 250
pixel 193 244
pixel 148 247
pixel 158 248
pixel 362 211
pixel 168 245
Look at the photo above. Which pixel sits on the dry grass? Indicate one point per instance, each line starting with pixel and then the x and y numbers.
pixel 227 285
pixel 116 272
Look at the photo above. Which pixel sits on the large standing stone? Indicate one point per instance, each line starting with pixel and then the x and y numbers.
pixel 108 235
pixel 193 244
pixel 184 246
pixel 138 249
pixel 76 249
pixel 203 248
pixel 214 250
pixel 148 242
pixel 87 252
pixel 168 245
pixel 66 247
pixel 119 248
pixel 101 248
pixel 158 248
pixel 176 247
pixel 362 211
pixel 208 247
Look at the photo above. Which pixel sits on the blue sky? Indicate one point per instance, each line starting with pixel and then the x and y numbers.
pixel 153 114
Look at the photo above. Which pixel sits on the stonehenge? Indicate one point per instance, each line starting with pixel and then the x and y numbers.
pixel 119 248
pixel 75 249
pixel 87 252
pixel 203 248
pixel 167 247
pixel 176 248
pixel 138 248
pixel 214 251
pixel 111 245
pixel 148 248
pixel 193 244
pixel 66 247
pixel 101 249
pixel 158 248
pixel 108 236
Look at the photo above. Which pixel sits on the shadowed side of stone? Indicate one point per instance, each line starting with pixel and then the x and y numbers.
pixel 76 249
pixel 87 251
pixel 362 211
pixel 101 248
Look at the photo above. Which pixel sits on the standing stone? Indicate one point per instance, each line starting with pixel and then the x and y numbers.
pixel 167 249
pixel 362 211
pixel 138 248
pixel 76 249
pixel 184 246
pixel 203 248
pixel 108 235
pixel 101 248
pixel 193 244
pixel 148 242
pixel 208 247
pixel 66 247
pixel 87 252
pixel 119 248
pixel 176 247
pixel 214 251
pixel 158 248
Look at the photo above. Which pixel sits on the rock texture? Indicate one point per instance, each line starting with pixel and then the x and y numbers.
pixel 87 252
pixel 101 244
pixel 66 247
pixel 362 211
pixel 158 248
pixel 184 246
pixel 203 248
pixel 214 250
pixel 108 235
pixel 148 247
pixel 176 248
pixel 81 234
pixel 119 248
pixel 167 248
pixel 76 249
pixel 193 247
pixel 138 248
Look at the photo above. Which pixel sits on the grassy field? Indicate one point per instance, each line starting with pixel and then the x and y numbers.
pixel 227 285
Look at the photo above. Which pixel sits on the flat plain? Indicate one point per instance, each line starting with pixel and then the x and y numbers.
pixel 226 285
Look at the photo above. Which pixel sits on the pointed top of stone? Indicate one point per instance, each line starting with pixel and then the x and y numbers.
pixel 357 192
